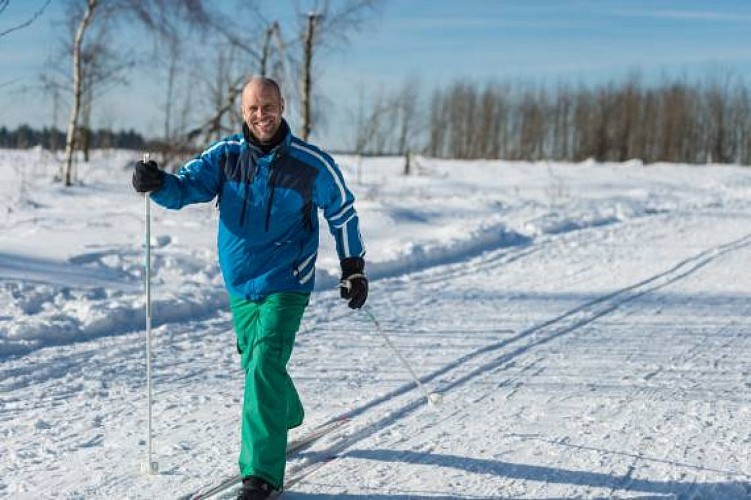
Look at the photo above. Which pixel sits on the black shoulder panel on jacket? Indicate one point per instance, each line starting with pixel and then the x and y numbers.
pixel 232 167
pixel 291 173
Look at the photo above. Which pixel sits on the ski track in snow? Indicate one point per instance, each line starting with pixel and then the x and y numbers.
pixel 565 324
pixel 580 356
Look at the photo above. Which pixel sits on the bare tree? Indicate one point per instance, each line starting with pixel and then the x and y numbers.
pixel 267 47
pixel 719 114
pixel 244 59
pixel 491 132
pixel 742 124
pixel 673 122
pixel 367 122
pixel 222 93
pixel 170 21
pixel 50 85
pixel 70 140
pixel 561 125
pixel 532 131
pixel 648 128
pixel 270 66
pixel 241 35
pixel 307 75
pixel 103 69
pixel 462 105
pixel 97 67
pixel 325 27
pixel 628 102
pixel 406 103
pixel 438 128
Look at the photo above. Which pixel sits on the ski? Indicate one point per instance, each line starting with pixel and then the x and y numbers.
pixel 293 447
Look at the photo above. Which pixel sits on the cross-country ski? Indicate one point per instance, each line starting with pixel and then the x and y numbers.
pixel 294 447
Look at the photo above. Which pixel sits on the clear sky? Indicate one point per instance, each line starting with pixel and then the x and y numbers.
pixel 441 41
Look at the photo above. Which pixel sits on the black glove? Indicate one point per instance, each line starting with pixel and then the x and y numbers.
pixel 354 284
pixel 147 177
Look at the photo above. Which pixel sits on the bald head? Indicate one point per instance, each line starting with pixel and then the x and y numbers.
pixel 261 82
pixel 262 107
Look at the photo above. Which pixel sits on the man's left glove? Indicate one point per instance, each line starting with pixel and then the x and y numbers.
pixel 354 284
pixel 147 177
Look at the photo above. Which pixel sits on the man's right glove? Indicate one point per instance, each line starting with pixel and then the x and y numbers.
pixel 147 177
pixel 354 284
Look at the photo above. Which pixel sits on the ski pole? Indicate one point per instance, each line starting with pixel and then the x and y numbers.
pixel 433 398
pixel 151 466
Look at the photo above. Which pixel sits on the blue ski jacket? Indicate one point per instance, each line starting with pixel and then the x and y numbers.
pixel 268 210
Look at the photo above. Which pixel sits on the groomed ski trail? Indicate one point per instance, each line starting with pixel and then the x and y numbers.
pixel 506 367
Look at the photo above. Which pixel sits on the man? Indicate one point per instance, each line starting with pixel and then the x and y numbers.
pixel 269 185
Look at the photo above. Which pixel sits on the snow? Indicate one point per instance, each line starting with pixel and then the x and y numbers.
pixel 586 324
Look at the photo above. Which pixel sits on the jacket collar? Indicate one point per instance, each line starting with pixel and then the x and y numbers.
pixel 279 143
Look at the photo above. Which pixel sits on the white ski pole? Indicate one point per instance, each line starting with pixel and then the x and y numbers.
pixel 151 466
pixel 433 398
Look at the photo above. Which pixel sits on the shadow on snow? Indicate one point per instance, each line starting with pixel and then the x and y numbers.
pixel 615 483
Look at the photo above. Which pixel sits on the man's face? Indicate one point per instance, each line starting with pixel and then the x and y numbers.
pixel 262 110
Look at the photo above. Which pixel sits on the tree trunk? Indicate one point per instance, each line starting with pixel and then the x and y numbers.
pixel 307 80
pixel 70 141
pixel 266 51
pixel 84 130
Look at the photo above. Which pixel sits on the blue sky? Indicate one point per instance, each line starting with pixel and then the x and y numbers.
pixel 571 39
pixel 441 41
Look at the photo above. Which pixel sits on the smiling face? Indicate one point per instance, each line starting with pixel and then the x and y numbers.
pixel 262 108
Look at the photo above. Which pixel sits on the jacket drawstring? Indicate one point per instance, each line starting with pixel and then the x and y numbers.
pixel 272 180
pixel 248 174
pixel 245 203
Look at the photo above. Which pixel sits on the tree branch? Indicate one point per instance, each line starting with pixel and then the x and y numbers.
pixel 37 14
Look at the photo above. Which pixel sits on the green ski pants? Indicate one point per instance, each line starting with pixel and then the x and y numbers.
pixel 266 331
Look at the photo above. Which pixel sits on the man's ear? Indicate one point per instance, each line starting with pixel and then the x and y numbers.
pixel 282 104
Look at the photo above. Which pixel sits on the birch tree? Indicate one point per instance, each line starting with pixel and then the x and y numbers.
pixel 77 88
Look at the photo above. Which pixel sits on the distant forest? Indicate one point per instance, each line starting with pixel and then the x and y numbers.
pixel 677 121
pixel 53 139
pixel 674 121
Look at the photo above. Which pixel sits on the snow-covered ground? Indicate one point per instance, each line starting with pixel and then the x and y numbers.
pixel 588 325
